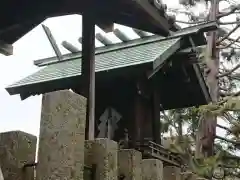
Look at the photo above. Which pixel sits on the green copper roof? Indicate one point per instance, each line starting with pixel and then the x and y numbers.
pixel 122 56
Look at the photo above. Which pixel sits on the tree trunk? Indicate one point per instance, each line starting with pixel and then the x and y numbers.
pixel 208 121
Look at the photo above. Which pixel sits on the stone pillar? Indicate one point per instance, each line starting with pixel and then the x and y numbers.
pixel 130 164
pixel 16 150
pixel 62 136
pixel 152 169
pixel 102 153
pixel 171 173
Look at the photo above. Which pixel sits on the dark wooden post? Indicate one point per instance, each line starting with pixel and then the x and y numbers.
pixel 156 125
pixel 88 70
pixel 138 120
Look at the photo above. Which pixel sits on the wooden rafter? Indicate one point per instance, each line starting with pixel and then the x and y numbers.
pixel 53 42
pixel 160 20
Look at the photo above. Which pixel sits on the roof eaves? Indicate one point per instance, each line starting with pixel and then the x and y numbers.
pixel 165 55
pixel 160 61
pixel 170 51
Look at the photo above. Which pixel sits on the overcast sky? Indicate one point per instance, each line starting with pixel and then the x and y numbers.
pixel 25 115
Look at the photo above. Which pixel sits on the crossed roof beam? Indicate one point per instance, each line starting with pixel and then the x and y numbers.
pixel 205 27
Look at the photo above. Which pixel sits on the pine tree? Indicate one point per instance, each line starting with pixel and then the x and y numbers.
pixel 220 62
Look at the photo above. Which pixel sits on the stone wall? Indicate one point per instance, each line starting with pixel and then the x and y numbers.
pixel 63 151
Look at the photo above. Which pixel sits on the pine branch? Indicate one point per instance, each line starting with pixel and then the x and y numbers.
pixel 223 127
pixel 228 140
pixel 224 89
pixel 233 42
pixel 231 39
pixel 179 11
pixel 230 32
pixel 229 71
pixel 233 10
pixel 230 44
pixel 192 23
pixel 229 23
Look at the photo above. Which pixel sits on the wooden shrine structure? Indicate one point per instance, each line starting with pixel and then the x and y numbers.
pixel 19 17
pixel 135 80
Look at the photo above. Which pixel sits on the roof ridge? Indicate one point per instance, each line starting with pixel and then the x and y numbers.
pixel 104 49
pixel 208 26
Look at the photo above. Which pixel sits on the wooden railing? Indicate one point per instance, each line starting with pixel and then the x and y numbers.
pixel 153 150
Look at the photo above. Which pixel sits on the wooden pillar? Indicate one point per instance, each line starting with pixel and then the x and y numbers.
pixel 156 126
pixel 88 69
pixel 138 119
pixel 143 116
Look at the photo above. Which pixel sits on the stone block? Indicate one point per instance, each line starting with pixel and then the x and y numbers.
pixel 171 173
pixel 62 136
pixel 130 164
pixel 16 150
pixel 152 169
pixel 102 153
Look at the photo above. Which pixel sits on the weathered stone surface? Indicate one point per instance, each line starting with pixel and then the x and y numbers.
pixel 17 149
pixel 171 173
pixel 62 136
pixel 103 154
pixel 130 164
pixel 188 176
pixel 1 174
pixel 152 169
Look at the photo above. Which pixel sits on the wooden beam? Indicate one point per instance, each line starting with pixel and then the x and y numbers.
pixel 88 69
pixel 70 47
pixel 106 26
pixel 140 32
pixel 80 40
pixel 53 42
pixel 121 35
pixel 6 49
pixel 160 21
pixel 103 39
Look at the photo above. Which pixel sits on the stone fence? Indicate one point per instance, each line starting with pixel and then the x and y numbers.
pixel 64 154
